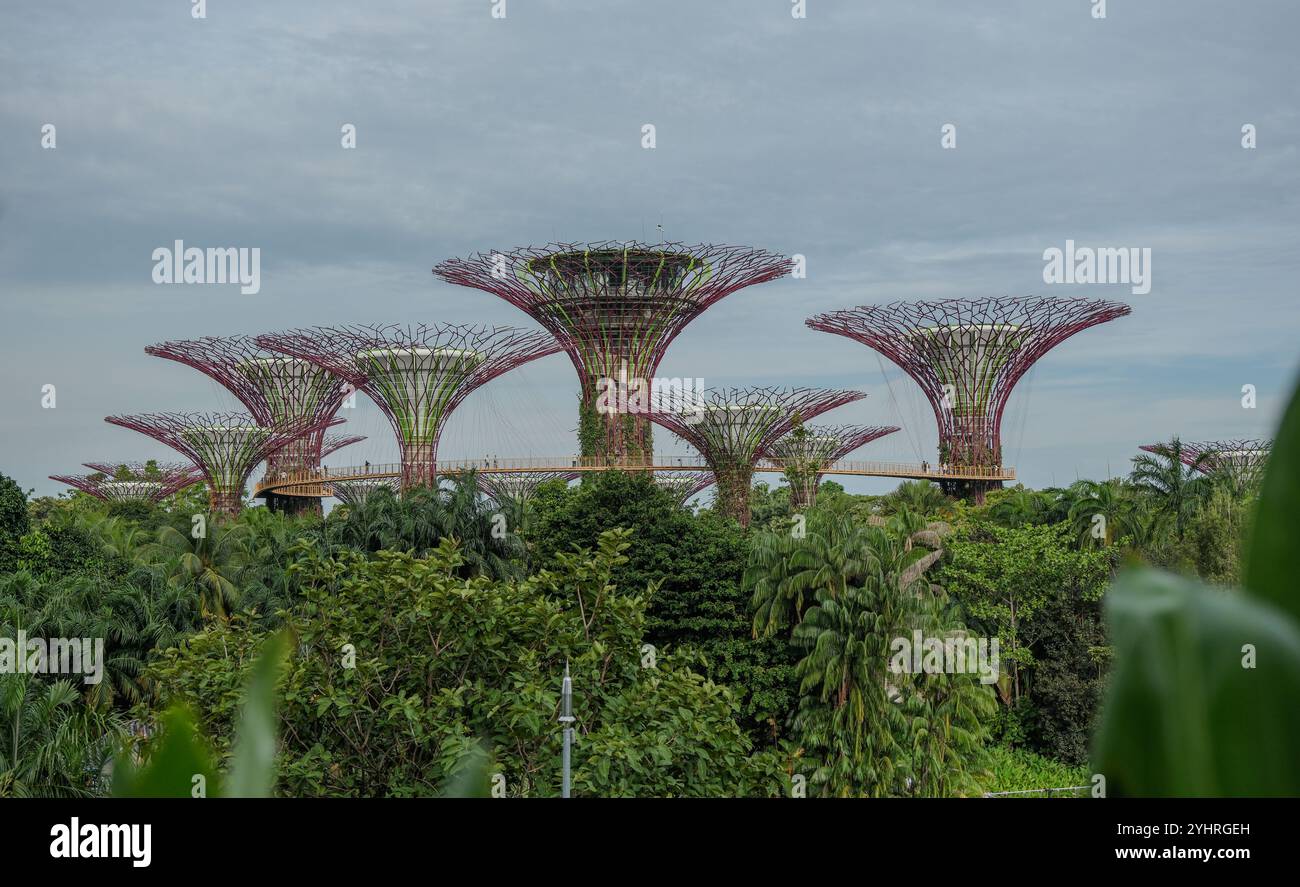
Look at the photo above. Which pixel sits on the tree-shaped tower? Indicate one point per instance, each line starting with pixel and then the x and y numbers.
pixel 807 450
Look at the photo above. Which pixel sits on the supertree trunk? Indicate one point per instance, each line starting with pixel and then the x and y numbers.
pixel 733 492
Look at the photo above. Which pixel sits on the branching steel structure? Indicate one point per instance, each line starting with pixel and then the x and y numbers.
pixel 132 481
pixel 684 485
pixel 332 443
pixel 416 375
pixel 517 488
pixel 226 447
pixel 967 356
pixel 355 491
pixel 1246 458
pixel 615 307
pixel 733 428
pixel 278 391
pixel 806 451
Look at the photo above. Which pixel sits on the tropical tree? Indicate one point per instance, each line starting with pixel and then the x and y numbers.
pixel 50 744
pixel 1175 488
pixel 1102 512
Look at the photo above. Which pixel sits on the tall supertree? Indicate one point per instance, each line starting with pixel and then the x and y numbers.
pixel 967 356
pixel 226 447
pixel 128 482
pixel 683 484
pixel 1245 459
pixel 734 427
pixel 517 487
pixel 806 451
pixel 615 307
pixel 278 391
pixel 355 491
pixel 417 375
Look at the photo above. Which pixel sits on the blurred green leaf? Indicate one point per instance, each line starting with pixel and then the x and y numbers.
pixel 1183 716
pixel 1270 573
pixel 178 755
pixel 252 770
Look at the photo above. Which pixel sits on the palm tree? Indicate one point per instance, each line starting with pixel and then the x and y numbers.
pixel 1019 507
pixel 1174 487
pixel 51 745
pixel 210 565
pixel 920 496
pixel 1111 501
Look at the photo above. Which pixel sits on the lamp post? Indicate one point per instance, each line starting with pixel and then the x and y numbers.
pixel 566 718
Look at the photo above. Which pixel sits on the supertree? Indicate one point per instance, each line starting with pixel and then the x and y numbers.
pixel 1245 459
pixel 278 391
pixel 355 491
pixel 967 356
pixel 517 487
pixel 145 482
pixel 226 447
pixel 332 443
pixel 734 427
pixel 615 307
pixel 683 484
pixel 417 375
pixel 806 451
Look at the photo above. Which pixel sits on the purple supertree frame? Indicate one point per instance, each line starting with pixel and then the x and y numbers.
pixel 683 484
pixel 417 375
pixel 614 307
pixel 277 390
pixel 354 492
pixel 226 447
pixel 806 451
pixel 1244 457
pixel 517 487
pixel 332 443
pixel 967 356
pixel 734 427
pixel 149 482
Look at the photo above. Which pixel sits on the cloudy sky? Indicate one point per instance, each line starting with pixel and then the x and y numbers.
pixel 819 136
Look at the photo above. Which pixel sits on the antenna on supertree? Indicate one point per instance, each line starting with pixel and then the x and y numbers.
pixel 278 391
pixel 614 307
pixel 806 451
pixel 734 427
pixel 226 447
pixel 332 443
pixel 683 484
pixel 129 482
pixel 1243 458
pixel 967 356
pixel 354 491
pixel 517 487
pixel 417 375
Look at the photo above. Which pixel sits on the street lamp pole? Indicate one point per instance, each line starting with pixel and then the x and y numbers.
pixel 566 718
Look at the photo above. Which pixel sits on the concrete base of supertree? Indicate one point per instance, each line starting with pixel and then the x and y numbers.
pixel 974 490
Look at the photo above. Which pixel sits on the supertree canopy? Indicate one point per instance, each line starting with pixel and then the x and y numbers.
pixel 517 487
pixel 332 443
pixel 355 491
pixel 615 307
pixel 683 484
pixel 806 451
pixel 967 356
pixel 278 391
pixel 1244 458
pixel 417 375
pixel 733 428
pixel 226 447
pixel 149 482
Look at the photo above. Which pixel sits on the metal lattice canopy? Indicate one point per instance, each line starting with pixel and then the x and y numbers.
pixel 132 481
pixel 734 427
pixel 518 487
pixel 683 485
pixel 807 450
pixel 355 491
pixel 1245 457
pixel 226 447
pixel 416 375
pixel 278 391
pixel 615 307
pixel 967 356
pixel 332 443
